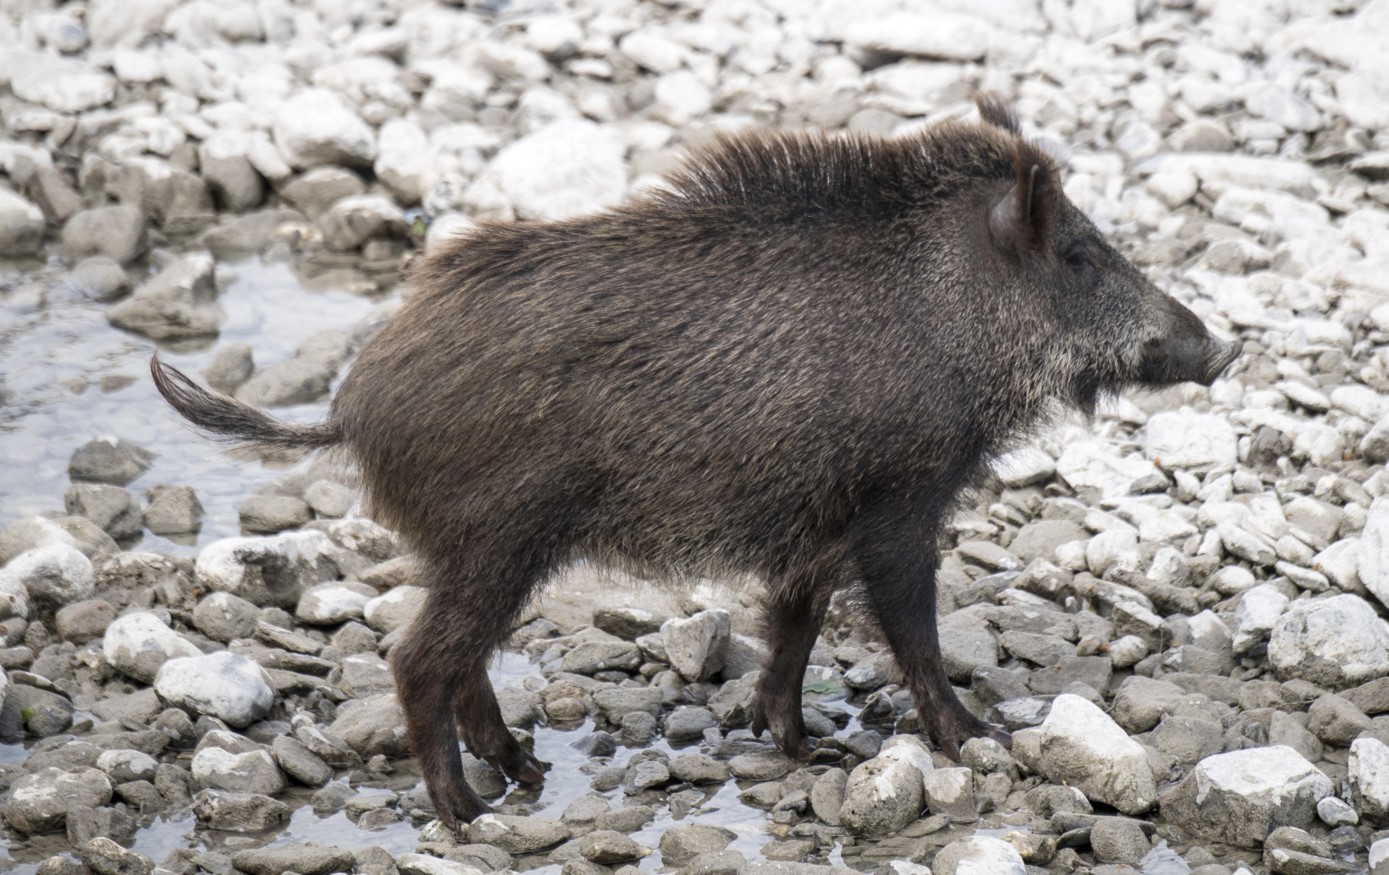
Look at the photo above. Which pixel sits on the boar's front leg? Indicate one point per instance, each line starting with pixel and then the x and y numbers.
pixel 897 558
pixel 792 616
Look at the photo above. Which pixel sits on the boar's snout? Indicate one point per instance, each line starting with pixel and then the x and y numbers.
pixel 1187 353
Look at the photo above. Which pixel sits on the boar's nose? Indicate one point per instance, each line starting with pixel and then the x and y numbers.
pixel 1198 359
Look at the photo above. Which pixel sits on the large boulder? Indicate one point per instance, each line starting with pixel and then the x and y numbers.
pixel 1242 796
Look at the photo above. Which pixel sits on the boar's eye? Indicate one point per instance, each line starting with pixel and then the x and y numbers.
pixel 1082 265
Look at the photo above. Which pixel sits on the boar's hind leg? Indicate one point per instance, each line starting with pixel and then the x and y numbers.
pixel 792 621
pixel 443 660
pixel 897 559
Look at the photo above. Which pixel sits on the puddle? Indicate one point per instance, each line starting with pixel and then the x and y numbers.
pixel 67 376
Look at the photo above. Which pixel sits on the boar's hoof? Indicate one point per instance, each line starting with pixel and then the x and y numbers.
pixel 460 810
pixel 787 734
pixel 521 767
pixel 954 728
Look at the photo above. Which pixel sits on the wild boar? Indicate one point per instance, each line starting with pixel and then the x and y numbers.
pixel 788 362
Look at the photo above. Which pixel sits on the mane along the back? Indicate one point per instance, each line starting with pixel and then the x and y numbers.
pixel 785 175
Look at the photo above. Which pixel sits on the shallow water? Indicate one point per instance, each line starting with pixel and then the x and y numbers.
pixel 67 376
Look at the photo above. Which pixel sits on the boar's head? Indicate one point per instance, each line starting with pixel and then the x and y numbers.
pixel 1113 328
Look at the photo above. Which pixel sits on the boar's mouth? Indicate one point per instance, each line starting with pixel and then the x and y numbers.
pixel 1187 360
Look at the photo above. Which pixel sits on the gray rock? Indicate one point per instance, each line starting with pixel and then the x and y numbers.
pixel 100 277
pixel 966 644
pixel 617 702
pixel 591 657
pixel 127 765
pixel 1119 840
pixel 681 844
pixel 1334 642
pixel 174 197
pixel 22 226
pixel 222 616
pixel 224 685
pixel 371 726
pixel 104 857
pixel 230 175
pixel 137 645
pixel 252 233
pixel 517 835
pixel 1193 441
pixel 951 792
pixel 330 499
pixel 696 768
pixel 39 802
pixel 116 232
pixel 230 367
pixel 1240 797
pixel 180 301
pixel 173 510
pixel 116 510
pixel 827 795
pixel 320 188
pixel 978 854
pixel 1336 721
pixel 352 221
pixel 268 514
pixel 300 763
pixel 606 847
pixel 109 460
pixel 84 621
pixel 687 723
pixel 1080 745
pixel 887 792
pixel 697 646
pixel 316 127
pixel 764 765
pixel 238 812
pixel 250 772
pixel 306 858
pixel 43 713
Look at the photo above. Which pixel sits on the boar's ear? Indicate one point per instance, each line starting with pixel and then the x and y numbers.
pixel 995 110
pixel 1022 219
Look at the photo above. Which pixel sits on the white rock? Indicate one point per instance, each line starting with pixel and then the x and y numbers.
pixel 1259 609
pixel 137 645
pixel 1335 642
pixel 681 98
pixel 1374 446
pixel 940 35
pixel 886 793
pixel 1368 771
pixel 1372 557
pixel 697 646
pixel 127 765
pixel 403 160
pixel 395 609
pixel 268 571
pixel 652 51
pixel 1094 464
pixel 317 126
pixel 564 169
pixel 52 576
pixel 978 855
pixel 1080 745
pixel 1195 441
pixel 1027 466
pixel 1240 797
pixel 252 771
pixel 1340 562
pixel 60 84
pixel 224 685
pixel 1117 547
pixel 180 301
pixel 331 603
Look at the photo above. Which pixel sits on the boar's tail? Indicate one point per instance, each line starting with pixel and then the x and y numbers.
pixel 227 419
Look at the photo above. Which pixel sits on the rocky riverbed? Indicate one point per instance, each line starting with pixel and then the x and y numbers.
pixel 1177 608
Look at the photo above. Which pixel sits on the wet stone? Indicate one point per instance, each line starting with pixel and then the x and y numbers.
pixel 517 835
pixel 43 713
pixel 268 514
pixel 607 847
pixel 238 812
pixel 681 844
pixel 40 802
pixel 105 857
pixel 173 510
pixel 760 766
pixel 299 762
pixel 696 768
pixel 307 858
pixel 117 511
pixel 85 620
pixel 1119 840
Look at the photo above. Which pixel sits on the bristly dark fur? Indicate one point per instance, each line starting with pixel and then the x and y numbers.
pixel 788 363
pixel 994 110
pixel 225 419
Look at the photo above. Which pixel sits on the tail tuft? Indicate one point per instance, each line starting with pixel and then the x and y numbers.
pixel 226 419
